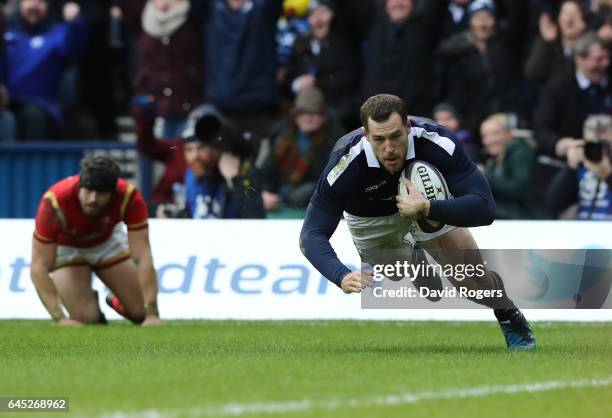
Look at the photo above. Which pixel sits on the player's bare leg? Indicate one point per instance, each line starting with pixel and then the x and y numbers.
pixel 73 284
pixel 122 280
pixel 459 247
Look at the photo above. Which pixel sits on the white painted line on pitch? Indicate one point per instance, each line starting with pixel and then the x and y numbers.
pixel 231 410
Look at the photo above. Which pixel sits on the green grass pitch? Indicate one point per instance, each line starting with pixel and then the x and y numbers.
pixel 308 369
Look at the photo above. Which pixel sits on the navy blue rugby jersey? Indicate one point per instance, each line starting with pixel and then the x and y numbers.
pixel 355 182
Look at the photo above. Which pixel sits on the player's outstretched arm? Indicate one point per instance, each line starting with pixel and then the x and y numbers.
pixel 473 204
pixel 140 250
pixel 43 259
pixel 317 229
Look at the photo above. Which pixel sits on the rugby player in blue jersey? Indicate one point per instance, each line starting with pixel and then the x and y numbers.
pixel 361 181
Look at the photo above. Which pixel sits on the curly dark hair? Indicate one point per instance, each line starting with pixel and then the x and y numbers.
pixel 99 173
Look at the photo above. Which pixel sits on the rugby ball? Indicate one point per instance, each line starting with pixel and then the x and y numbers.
pixel 430 182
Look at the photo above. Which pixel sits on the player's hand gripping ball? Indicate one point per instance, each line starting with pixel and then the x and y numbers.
pixel 430 183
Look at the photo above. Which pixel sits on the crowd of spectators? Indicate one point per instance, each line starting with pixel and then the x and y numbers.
pixel 524 84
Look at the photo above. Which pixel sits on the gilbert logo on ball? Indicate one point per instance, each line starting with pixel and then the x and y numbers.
pixel 430 182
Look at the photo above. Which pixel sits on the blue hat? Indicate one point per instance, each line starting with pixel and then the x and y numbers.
pixel 479 6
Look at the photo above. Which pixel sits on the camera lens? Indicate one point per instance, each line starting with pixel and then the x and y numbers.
pixel 593 151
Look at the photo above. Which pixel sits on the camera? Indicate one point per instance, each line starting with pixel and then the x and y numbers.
pixel 222 134
pixel 212 128
pixel 594 150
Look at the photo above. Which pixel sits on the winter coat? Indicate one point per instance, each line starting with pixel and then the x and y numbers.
pixel 35 60
pixel 169 68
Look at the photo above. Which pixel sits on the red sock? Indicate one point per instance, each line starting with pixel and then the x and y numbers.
pixel 116 305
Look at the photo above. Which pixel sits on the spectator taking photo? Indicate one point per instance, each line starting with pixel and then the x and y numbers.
pixel 587 181
pixel 221 180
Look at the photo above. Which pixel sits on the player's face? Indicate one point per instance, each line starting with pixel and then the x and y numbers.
pixel 389 140
pixel 93 202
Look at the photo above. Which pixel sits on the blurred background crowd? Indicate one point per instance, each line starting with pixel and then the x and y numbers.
pixel 239 102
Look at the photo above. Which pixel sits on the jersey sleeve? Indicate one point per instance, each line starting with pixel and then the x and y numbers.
pixel 47 224
pixel 317 229
pixel 472 203
pixel 337 183
pixel 460 166
pixel 134 210
pixel 455 165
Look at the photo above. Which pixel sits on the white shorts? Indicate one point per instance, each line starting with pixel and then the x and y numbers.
pixel 112 251
pixel 387 232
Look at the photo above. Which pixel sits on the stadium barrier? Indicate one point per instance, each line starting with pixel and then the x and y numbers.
pixel 28 169
pixel 253 269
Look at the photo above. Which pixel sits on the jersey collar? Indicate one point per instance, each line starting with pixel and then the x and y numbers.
pixel 410 150
pixel 369 152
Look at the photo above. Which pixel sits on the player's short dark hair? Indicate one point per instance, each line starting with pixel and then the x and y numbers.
pixel 99 173
pixel 380 108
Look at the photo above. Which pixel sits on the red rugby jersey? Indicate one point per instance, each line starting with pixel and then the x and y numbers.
pixel 61 220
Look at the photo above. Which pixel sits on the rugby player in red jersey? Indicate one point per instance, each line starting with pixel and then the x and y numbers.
pixel 78 230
